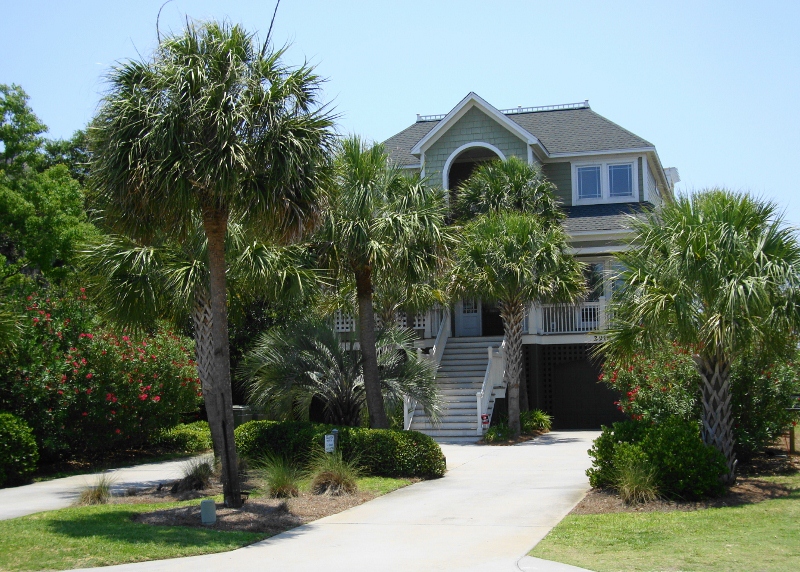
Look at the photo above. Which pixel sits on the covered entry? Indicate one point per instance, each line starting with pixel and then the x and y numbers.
pixel 474 317
pixel 562 381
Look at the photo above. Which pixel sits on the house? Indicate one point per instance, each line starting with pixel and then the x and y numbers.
pixel 602 173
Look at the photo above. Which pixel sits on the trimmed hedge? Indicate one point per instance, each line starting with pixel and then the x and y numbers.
pixel 685 467
pixel 186 437
pixel 379 452
pixel 18 451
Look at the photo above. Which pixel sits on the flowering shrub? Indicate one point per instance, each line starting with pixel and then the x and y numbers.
pixel 655 387
pixel 85 387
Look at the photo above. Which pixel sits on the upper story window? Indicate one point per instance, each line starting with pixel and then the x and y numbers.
pixel 599 182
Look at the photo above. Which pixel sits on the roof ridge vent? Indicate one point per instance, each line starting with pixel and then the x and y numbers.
pixel 516 110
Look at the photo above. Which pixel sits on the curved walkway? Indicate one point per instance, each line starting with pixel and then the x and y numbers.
pixel 494 505
pixel 61 493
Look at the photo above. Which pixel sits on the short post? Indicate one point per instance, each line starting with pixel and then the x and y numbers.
pixel 484 422
pixel 208 511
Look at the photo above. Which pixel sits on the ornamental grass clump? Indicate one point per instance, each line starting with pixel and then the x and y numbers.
pixel 331 473
pixel 197 474
pixel 99 493
pixel 282 479
pixel 635 476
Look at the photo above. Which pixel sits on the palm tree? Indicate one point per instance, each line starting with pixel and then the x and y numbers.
pixel 213 127
pixel 716 272
pixel 290 366
pixel 137 284
pixel 380 222
pixel 514 259
pixel 509 185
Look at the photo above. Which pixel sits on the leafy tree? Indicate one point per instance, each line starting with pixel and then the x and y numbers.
pixel 290 366
pixel 214 127
pixel 20 132
pixel 514 259
pixel 718 273
pixel 380 223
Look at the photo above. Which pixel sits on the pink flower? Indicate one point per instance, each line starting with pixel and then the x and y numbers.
pixel 157 398
pixel 143 396
pixel 88 376
pixel 84 414
pixel 117 431
pixel 125 338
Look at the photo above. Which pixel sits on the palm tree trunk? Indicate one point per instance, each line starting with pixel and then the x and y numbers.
pixel 219 403
pixel 717 427
pixel 366 337
pixel 513 314
pixel 204 352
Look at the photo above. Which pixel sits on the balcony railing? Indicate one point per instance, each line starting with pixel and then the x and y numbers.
pixel 550 319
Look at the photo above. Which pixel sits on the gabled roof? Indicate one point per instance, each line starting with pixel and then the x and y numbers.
pixel 472 100
pixel 561 132
pixel 602 217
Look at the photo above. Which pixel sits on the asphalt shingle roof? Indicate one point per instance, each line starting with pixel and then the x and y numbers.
pixel 562 131
pixel 614 216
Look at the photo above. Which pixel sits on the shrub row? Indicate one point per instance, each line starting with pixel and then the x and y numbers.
pixel 684 466
pixel 379 452
pixel 18 450
pixel 186 437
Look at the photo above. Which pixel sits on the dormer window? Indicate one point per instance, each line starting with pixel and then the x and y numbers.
pixel 604 182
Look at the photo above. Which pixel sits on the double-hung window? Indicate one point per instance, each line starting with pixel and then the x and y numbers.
pixel 605 182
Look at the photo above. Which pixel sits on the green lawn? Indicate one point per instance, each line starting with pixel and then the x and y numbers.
pixel 763 536
pixel 82 537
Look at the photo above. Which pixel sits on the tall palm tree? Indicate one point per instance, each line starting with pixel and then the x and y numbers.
pixel 137 283
pixel 212 126
pixel 290 366
pixel 380 222
pixel 514 259
pixel 716 272
pixel 508 185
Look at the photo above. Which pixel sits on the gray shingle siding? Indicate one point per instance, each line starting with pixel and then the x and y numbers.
pixel 560 174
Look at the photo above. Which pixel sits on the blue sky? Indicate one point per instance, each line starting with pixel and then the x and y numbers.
pixel 714 85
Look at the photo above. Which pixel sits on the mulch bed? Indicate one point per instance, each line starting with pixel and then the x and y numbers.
pixel 520 439
pixel 749 489
pixel 265 515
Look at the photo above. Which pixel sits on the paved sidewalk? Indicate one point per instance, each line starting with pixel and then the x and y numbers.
pixel 61 493
pixel 493 505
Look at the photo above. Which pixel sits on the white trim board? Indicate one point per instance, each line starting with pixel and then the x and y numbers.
pixel 454 155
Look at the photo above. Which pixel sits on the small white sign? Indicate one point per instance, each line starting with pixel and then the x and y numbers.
pixel 329 444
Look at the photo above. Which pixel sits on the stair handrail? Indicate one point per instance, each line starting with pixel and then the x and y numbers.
pixel 435 355
pixel 495 374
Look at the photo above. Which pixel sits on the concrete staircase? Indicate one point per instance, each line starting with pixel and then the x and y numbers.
pixel 459 378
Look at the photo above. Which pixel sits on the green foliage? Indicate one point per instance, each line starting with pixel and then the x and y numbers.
pixel 85 387
pixel 497 433
pixel 18 451
pixel 20 132
pixel 684 467
pixel 185 438
pixel 653 387
pixel 634 474
pixel 98 493
pixel 380 452
pixel 197 474
pixel 535 420
pixel 510 185
pixel 333 474
pixel 761 394
pixel 288 367
pixel 280 476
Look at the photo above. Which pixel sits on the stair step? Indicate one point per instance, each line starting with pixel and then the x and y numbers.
pixel 445 426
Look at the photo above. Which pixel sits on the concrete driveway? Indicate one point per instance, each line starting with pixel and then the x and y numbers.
pixel 494 504
pixel 61 493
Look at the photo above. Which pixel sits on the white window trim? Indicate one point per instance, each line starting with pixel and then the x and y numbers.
pixel 605 191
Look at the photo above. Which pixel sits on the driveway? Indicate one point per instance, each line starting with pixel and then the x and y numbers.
pixel 61 493
pixel 494 504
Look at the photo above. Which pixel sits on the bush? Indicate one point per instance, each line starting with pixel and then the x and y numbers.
pixel 760 395
pixel 185 438
pixel 497 433
pixel 18 451
pixel 197 475
pixel 380 452
pixel 332 473
pixel 534 421
pixel 684 466
pixel 99 493
pixel 280 476
pixel 85 387
pixel 634 475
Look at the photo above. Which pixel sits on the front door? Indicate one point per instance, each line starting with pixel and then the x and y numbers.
pixel 468 318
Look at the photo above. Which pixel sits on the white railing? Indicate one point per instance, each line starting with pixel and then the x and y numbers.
pixel 435 355
pixel 495 372
pixel 569 319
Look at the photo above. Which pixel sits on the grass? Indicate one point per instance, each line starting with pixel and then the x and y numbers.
pixel 333 474
pixel 103 535
pixel 281 478
pixel 99 493
pixel 760 536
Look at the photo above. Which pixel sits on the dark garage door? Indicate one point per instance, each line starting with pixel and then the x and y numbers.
pixel 562 381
